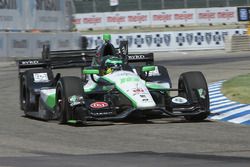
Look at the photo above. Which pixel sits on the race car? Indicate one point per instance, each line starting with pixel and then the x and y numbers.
pixel 114 86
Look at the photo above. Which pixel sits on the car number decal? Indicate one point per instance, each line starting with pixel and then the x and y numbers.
pixel 40 77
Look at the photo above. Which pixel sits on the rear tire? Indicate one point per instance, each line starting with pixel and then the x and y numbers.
pixel 189 82
pixel 66 87
pixel 28 99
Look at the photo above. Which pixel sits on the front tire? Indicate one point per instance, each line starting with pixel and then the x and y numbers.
pixel 189 85
pixel 67 87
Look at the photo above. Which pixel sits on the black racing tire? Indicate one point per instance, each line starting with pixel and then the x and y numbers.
pixel 27 85
pixel 25 103
pixel 66 87
pixel 188 82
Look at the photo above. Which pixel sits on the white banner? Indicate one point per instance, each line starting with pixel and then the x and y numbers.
pixel 173 17
pixel 86 21
pixel 216 15
pixel 169 41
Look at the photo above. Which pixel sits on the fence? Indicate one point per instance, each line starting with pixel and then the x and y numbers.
pixel 89 6
pixel 24 15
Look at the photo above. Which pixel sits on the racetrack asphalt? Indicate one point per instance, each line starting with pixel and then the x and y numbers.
pixel 166 142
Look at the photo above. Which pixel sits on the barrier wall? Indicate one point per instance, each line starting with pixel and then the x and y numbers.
pixel 227 15
pixel 30 45
pixel 170 41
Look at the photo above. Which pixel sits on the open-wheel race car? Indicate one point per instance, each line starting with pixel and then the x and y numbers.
pixel 114 85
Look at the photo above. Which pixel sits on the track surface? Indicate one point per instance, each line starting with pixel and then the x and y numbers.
pixel 27 142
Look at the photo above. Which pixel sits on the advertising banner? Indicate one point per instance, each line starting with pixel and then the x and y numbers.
pixel 173 17
pixel 126 19
pixel 216 15
pixel 86 21
pixel 157 18
pixel 169 41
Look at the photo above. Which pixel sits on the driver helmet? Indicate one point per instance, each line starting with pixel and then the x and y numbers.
pixel 113 64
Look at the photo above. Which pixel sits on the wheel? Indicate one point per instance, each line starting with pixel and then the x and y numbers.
pixel 28 99
pixel 193 86
pixel 25 102
pixel 67 87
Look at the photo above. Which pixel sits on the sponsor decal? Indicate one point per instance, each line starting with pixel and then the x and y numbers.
pixel 75 100
pixel 30 62
pixel 179 100
pixel 137 91
pixel 136 57
pixel 98 105
pixel 129 79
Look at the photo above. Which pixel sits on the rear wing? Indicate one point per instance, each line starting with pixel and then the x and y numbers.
pixel 58 59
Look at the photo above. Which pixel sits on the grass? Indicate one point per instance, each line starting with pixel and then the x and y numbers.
pixel 238 89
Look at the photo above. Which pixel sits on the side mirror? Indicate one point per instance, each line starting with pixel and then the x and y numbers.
pixel 148 68
pixel 90 71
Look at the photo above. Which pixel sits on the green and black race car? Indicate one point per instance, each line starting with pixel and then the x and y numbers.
pixel 114 86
